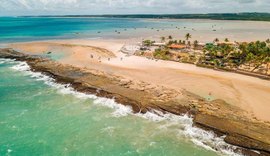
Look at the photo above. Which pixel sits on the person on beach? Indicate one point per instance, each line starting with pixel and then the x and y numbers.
pixel 209 94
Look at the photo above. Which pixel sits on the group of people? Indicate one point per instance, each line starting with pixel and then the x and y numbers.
pixel 99 58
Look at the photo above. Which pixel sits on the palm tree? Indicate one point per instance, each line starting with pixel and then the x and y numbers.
pixel 226 40
pixel 162 39
pixel 195 43
pixel 188 36
pixel 216 40
pixel 170 37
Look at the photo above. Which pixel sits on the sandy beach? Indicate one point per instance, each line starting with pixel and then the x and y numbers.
pixel 249 93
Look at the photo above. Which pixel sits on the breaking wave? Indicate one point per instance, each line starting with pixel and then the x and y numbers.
pixel 200 137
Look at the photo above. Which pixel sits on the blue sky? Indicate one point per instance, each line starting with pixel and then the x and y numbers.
pixel 53 7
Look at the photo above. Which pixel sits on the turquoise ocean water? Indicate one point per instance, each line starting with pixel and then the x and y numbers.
pixel 28 29
pixel 40 117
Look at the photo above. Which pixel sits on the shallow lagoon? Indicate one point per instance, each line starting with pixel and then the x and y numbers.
pixel 17 29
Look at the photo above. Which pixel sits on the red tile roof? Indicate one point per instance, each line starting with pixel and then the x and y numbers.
pixel 177 46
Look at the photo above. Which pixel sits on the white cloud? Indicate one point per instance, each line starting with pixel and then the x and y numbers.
pixel 13 7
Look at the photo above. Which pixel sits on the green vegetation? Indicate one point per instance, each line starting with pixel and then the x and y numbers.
pixel 224 55
pixel 172 42
pixel 187 36
pixel 257 53
pixel 216 40
pixel 148 43
pixel 248 57
pixel 184 42
pixel 162 54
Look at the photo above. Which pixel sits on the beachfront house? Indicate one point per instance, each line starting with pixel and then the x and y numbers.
pixel 177 47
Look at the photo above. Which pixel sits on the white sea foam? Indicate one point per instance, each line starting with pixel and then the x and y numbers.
pixel 8 61
pixel 9 150
pixel 200 137
pixel 120 110
pixel 22 66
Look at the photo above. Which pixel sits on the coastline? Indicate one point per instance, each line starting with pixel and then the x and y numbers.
pixel 143 97
pixel 248 93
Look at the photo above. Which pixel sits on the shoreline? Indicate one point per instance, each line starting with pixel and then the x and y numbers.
pixel 246 92
pixel 143 97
